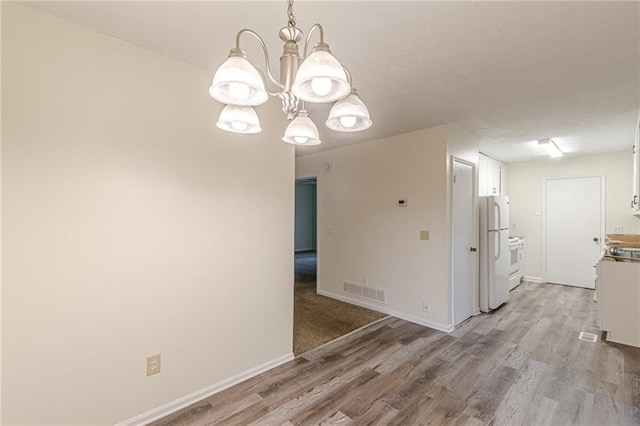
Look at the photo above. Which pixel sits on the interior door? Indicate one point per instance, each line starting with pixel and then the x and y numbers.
pixel 573 230
pixel 464 259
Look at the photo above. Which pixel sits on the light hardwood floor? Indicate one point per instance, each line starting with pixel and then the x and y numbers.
pixel 522 365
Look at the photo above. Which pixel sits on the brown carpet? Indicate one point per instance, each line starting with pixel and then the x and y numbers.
pixel 319 319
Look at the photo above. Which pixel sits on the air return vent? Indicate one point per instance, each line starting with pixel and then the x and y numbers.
pixel 588 337
pixel 364 291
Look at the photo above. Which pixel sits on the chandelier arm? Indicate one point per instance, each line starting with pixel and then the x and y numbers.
pixel 265 86
pixel 311 30
pixel 266 55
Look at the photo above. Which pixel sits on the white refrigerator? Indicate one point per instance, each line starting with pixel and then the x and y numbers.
pixel 494 252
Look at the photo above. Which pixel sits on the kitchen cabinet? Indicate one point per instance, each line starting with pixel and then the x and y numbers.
pixel 491 176
pixel 618 298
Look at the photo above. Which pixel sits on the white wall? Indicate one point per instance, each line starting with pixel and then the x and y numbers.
pixel 128 223
pixel 375 238
pixel 525 182
pixel 305 229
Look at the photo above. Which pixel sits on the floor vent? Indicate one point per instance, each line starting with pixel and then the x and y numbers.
pixel 364 291
pixel 588 337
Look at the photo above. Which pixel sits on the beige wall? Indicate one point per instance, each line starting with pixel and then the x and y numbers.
pixel 128 223
pixel 375 238
pixel 525 183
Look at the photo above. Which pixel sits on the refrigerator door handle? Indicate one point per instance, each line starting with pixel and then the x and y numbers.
pixel 499 224
pixel 497 234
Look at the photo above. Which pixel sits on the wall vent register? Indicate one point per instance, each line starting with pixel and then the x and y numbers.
pixel 364 291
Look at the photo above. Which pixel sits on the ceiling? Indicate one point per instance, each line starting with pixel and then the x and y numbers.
pixel 509 73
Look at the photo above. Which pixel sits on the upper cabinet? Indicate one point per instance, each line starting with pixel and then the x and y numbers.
pixel 635 202
pixel 492 175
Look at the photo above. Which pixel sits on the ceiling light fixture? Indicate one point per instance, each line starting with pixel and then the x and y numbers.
pixel 550 148
pixel 317 77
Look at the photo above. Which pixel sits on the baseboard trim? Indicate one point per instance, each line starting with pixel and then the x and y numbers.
pixel 185 401
pixel 447 328
pixel 533 279
pixel 374 307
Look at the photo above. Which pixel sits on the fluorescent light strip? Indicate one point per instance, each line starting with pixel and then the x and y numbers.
pixel 550 148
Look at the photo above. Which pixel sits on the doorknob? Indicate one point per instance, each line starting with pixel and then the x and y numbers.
pixel 596 239
pixel 473 249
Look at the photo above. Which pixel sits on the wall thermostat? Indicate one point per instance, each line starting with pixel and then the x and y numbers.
pixel 403 202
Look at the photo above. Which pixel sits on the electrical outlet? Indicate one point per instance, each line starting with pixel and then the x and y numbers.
pixel 153 364
pixel 425 307
pixel 618 229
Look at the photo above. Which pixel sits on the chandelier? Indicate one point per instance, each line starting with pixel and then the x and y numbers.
pixel 315 78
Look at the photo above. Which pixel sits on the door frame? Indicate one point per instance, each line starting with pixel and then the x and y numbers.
pixel 476 275
pixel 603 210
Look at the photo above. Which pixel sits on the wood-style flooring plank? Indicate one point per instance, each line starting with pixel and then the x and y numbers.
pixel 336 419
pixel 523 364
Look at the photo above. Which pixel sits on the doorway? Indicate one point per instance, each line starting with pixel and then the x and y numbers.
pixel 317 319
pixel 573 229
pixel 464 231
pixel 305 233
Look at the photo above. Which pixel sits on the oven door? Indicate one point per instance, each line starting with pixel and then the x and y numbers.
pixel 514 258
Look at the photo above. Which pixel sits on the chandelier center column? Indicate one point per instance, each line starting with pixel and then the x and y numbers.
pixel 289 63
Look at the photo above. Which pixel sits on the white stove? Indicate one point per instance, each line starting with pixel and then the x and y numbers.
pixel 514 262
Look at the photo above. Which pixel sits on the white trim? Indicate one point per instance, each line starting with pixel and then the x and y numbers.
pixel 533 279
pixel 447 328
pixel 353 301
pixel 185 401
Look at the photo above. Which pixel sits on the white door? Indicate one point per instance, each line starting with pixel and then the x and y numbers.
pixel 574 223
pixel 464 259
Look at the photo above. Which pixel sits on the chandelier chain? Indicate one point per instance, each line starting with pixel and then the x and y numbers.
pixel 292 18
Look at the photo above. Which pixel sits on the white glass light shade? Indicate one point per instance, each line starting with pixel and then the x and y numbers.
pixel 237 82
pixel 349 114
pixel 320 79
pixel 239 119
pixel 302 131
